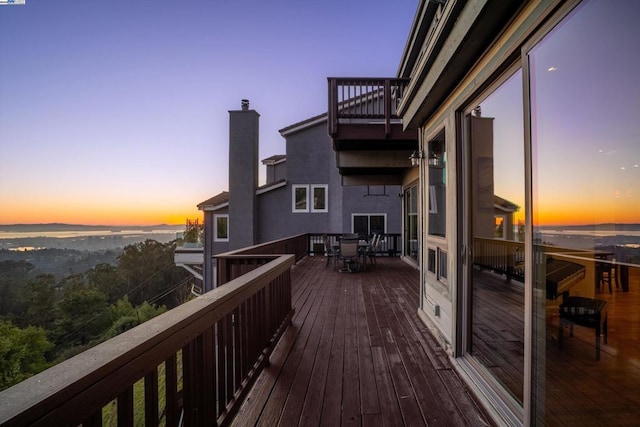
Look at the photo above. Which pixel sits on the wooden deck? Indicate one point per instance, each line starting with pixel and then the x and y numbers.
pixel 357 354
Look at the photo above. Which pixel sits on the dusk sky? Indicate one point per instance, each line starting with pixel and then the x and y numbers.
pixel 117 112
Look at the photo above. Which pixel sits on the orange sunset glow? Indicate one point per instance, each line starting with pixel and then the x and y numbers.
pixel 98 215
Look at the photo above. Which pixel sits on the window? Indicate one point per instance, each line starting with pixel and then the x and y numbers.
pixel 368 224
pixel 300 198
pixel 221 228
pixel 411 222
pixel 499 231
pixel 319 194
pixel 437 171
pixel 310 198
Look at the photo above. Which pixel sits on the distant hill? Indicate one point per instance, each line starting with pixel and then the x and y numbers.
pixel 601 227
pixel 52 227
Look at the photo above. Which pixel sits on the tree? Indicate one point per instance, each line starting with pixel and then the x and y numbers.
pixel 82 316
pixel 125 316
pixel 14 276
pixel 107 279
pixel 22 353
pixel 40 298
pixel 149 271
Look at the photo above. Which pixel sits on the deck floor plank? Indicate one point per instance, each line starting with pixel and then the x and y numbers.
pixel 370 403
pixel 332 402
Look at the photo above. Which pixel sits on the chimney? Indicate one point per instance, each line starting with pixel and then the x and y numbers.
pixel 243 176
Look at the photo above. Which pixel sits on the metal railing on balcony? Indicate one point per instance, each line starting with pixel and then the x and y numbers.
pixel 364 98
pixel 390 243
pixel 218 342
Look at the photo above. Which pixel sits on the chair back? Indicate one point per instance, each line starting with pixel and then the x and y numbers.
pixel 327 244
pixel 348 248
pixel 374 242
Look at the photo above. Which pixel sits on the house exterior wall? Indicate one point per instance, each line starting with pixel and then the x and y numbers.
pixel 276 172
pixel 208 270
pixel 311 161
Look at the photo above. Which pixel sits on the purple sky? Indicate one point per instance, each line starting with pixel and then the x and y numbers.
pixel 121 107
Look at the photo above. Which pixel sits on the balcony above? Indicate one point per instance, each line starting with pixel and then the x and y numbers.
pixel 372 148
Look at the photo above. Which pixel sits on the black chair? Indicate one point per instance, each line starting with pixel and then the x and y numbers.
pixel 606 274
pixel 588 312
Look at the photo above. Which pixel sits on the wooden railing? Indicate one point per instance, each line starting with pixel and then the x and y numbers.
pixel 502 256
pixel 218 341
pixel 236 263
pixel 364 98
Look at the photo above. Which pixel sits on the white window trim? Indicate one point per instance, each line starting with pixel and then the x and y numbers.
pixel 215 228
pixel 293 198
pixel 309 190
pixel 310 195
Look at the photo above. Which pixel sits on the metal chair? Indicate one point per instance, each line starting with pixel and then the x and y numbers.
pixel 331 252
pixel 349 255
pixel 606 274
pixel 372 249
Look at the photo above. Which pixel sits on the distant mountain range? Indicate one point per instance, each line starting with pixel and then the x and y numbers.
pixel 600 227
pixel 52 227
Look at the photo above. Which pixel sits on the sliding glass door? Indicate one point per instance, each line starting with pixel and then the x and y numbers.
pixel 492 239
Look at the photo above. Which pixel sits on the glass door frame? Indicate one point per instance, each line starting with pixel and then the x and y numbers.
pixel 507 406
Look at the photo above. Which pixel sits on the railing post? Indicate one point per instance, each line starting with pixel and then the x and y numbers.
pixel 171 390
pixel 387 108
pixel 332 111
pixel 151 398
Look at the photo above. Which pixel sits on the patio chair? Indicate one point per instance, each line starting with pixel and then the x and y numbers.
pixel 331 252
pixel 372 249
pixel 606 274
pixel 349 255
pixel 587 312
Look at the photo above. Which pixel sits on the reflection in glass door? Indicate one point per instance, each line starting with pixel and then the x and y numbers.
pixel 585 138
pixel 493 233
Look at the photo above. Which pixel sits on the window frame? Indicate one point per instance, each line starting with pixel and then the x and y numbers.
pixel 311 196
pixel 369 215
pixel 216 217
pixel 294 189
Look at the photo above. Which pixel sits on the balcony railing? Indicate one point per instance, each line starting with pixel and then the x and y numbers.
pixel 218 341
pixel 370 99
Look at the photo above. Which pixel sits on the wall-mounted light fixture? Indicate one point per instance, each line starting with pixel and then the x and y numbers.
pixel 434 159
pixel 415 158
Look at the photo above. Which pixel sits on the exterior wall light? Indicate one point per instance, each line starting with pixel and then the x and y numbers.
pixel 415 158
pixel 434 160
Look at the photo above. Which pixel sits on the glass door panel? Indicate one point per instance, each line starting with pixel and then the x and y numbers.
pixel 494 280
pixel 585 104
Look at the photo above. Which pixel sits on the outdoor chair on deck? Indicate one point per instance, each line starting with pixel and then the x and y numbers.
pixel 587 312
pixel 373 248
pixel 349 255
pixel 606 274
pixel 331 252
